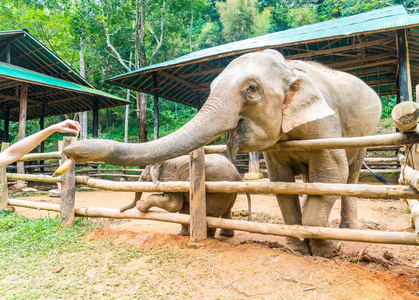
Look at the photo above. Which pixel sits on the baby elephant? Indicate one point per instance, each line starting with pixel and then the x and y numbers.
pixel 217 168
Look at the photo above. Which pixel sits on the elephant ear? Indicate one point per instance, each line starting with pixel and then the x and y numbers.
pixel 303 103
pixel 155 173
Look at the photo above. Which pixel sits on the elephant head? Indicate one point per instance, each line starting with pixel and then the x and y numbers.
pixel 257 99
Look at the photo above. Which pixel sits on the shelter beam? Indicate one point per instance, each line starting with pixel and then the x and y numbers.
pixel 156 105
pixel 22 125
pixel 95 133
pixel 405 84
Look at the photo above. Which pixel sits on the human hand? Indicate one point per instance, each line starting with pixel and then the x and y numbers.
pixel 67 126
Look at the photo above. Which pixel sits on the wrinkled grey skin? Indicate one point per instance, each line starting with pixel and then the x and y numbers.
pixel 217 168
pixel 261 98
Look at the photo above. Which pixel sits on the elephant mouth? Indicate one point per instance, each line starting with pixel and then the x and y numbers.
pixel 234 138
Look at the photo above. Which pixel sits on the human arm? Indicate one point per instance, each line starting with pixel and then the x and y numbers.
pixel 27 144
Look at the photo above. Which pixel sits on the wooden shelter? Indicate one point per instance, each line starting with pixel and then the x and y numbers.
pixel 36 83
pixel 381 47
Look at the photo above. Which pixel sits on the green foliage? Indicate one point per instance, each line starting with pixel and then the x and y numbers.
pixel 302 16
pixel 241 19
pixel 388 102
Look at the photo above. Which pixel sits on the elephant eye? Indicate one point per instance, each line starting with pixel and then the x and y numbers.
pixel 251 90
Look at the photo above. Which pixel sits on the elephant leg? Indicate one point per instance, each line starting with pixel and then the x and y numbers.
pixel 227 215
pixel 316 211
pixel 184 231
pixel 326 166
pixel 289 204
pixel 349 211
pixel 172 202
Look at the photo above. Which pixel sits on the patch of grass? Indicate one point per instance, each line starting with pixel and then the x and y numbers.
pixel 41 260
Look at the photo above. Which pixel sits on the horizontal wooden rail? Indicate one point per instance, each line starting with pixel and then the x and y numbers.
pixel 381 171
pixel 373 141
pixel 43 178
pixel 355 190
pixel 41 156
pixel 297 231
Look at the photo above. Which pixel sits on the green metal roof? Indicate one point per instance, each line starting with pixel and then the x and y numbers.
pixel 364 45
pixel 52 81
pixel 56 94
pixel 27 52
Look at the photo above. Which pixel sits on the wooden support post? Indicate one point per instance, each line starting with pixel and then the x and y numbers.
pixel 254 167
pixel 41 127
pixel 405 83
pixel 68 190
pixel 3 181
pixel 198 95
pixel 6 126
pixel 414 212
pixel 22 127
pixel 156 106
pixel 197 202
pixel 95 133
pixel 8 53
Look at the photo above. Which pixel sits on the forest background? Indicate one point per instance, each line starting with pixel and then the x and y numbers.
pixel 105 38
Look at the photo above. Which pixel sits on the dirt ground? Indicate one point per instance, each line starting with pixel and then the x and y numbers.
pixel 255 266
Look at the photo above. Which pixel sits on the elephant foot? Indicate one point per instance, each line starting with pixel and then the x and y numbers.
pixel 211 232
pixel 184 231
pixel 227 232
pixel 142 207
pixel 325 248
pixel 350 224
pixel 297 245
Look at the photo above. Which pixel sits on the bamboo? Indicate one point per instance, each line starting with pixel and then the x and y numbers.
pixel 3 182
pixel 297 231
pixel 197 200
pixel 109 170
pixel 33 177
pixel 406 115
pixel 381 171
pixel 44 178
pixel 381 160
pixel 324 189
pixel 375 141
pixel 41 156
pixel 412 176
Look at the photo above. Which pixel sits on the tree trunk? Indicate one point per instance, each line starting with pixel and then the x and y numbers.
pixel 82 115
pixel 140 61
pixel 142 116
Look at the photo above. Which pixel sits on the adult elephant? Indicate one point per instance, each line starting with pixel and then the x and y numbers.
pixel 261 98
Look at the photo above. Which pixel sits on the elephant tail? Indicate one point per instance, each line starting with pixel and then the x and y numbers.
pixel 379 177
pixel 249 207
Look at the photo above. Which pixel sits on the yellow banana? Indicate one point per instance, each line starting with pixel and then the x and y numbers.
pixel 63 168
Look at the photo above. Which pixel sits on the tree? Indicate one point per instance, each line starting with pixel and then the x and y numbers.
pixel 241 19
pixel 302 16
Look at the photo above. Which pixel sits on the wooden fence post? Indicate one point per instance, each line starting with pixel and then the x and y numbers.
pixel 4 196
pixel 197 202
pixel 254 167
pixel 68 190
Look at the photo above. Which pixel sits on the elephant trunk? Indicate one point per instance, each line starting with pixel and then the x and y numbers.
pixel 210 122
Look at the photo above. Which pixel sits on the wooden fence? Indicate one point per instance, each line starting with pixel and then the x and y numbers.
pixel 198 187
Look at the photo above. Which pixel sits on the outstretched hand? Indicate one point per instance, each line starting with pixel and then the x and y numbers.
pixel 67 126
